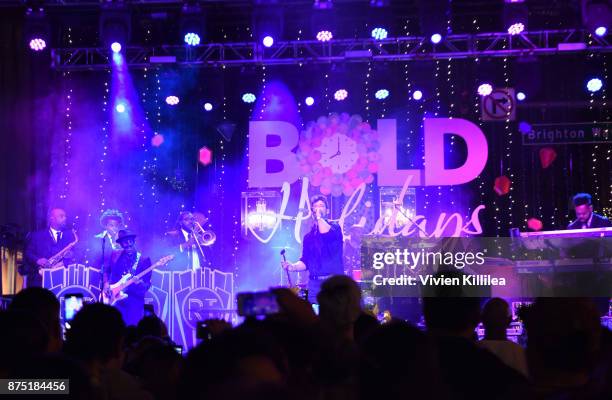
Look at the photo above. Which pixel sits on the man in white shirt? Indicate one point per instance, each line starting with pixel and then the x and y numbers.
pixel 188 255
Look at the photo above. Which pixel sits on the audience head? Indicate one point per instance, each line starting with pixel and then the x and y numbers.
pixel 339 302
pixel 96 335
pixel 43 304
pixel 22 337
pixel 151 325
pixel 496 317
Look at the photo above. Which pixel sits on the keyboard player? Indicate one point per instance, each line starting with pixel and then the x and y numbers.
pixel 585 217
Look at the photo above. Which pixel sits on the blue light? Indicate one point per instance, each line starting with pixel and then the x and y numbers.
pixel 248 98
pixel 268 41
pixel 417 95
pixel 520 96
pixel 601 31
pixel 116 47
pixel 379 33
pixel 208 106
pixel 594 85
pixel 192 39
pixel 120 108
pixel 381 94
pixel 436 38
pixel 309 101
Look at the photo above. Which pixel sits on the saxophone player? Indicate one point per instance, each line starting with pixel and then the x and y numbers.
pixel 42 245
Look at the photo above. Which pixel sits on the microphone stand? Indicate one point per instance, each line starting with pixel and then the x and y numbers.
pixel 102 268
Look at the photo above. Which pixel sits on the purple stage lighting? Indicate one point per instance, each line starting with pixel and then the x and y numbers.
pixel 340 94
pixel 379 33
pixel 172 100
pixel 417 95
pixel 38 44
pixel 116 47
pixel 485 89
pixel 120 108
pixel 594 85
pixel 381 94
pixel 520 96
pixel 268 41
pixel 309 101
pixel 208 107
pixel 517 28
pixel 248 98
pixel 192 39
pixel 601 31
pixel 324 36
pixel 436 38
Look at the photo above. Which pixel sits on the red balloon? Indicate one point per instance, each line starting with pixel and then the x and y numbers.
pixel 547 156
pixel 535 224
pixel 502 185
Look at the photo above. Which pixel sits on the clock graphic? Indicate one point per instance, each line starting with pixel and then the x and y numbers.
pixel 338 153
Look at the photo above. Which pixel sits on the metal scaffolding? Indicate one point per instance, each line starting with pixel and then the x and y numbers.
pixel 407 48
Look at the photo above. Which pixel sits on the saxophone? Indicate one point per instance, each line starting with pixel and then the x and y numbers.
pixel 60 255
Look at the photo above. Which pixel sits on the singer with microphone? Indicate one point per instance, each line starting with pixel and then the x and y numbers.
pixel 321 250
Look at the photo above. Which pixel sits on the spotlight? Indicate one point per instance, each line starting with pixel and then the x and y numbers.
pixel 436 38
pixel 381 94
pixel 596 16
pixel 324 36
pixel 340 94
pixel 208 106
pixel 120 108
pixel 520 96
pixel 116 47
pixel 309 101
pixel 485 89
pixel 417 95
pixel 248 98
pixel 516 28
pixel 192 39
pixel 379 33
pixel 268 41
pixel 594 85
pixel 601 31
pixel 172 100
pixel 38 44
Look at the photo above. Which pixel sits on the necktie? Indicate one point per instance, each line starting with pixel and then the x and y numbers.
pixel 190 252
pixel 59 236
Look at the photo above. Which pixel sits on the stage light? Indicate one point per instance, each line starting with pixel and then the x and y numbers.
pixel 309 101
pixel 594 85
pixel 192 39
pixel 340 94
pixel 324 36
pixel 38 44
pixel 436 38
pixel 485 89
pixel 116 47
pixel 120 108
pixel 417 95
pixel 381 94
pixel 268 41
pixel 248 98
pixel 520 96
pixel 596 16
pixel 379 33
pixel 601 31
pixel 208 106
pixel 172 100
pixel 516 28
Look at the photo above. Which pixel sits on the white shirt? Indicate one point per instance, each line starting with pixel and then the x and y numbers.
pixel 54 234
pixel 195 259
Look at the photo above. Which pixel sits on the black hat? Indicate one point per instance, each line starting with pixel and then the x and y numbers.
pixel 125 234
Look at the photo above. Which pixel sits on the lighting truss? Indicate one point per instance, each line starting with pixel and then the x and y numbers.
pixel 404 48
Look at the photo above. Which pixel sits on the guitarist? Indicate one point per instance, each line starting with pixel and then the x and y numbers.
pixel 44 244
pixel 129 260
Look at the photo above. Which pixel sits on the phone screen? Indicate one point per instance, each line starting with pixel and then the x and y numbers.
pixel 72 304
pixel 258 303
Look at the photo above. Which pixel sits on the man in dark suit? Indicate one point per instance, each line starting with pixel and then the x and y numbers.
pixel 44 244
pixel 129 260
pixel 183 244
pixel 585 217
